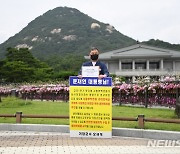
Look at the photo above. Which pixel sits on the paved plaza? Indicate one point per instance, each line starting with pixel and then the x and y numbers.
pixel 14 142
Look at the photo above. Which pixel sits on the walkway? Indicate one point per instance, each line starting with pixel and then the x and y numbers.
pixel 12 142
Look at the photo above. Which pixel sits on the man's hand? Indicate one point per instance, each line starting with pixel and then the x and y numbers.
pixel 79 76
pixel 102 76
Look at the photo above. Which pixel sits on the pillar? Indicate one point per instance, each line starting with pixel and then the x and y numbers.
pixel 147 64
pixel 162 67
pixel 133 64
pixel 120 65
pixel 174 65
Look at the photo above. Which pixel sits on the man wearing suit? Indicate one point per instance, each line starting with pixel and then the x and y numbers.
pixel 94 55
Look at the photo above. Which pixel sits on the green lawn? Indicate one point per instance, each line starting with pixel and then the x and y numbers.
pixel 11 105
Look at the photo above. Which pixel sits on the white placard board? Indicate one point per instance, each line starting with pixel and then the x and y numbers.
pixel 90 71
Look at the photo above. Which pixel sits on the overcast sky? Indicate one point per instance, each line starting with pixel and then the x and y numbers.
pixel 139 19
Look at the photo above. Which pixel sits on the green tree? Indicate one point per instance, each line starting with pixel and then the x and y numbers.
pixel 20 66
pixel 24 55
pixel 17 71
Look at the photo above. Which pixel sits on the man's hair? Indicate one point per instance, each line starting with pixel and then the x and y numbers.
pixel 94 48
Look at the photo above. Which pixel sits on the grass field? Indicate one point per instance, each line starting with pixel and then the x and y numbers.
pixel 11 105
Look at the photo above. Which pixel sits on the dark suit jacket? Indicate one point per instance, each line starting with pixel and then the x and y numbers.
pixel 103 68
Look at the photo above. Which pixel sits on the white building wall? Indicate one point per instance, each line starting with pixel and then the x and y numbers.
pixel 168 65
pixel 113 67
pixel 177 66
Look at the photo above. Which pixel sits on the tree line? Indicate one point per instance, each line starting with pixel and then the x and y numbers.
pixel 20 65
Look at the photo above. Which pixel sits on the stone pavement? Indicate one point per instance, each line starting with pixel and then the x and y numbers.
pixel 14 142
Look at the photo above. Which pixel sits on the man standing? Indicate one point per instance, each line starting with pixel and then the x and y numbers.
pixel 94 55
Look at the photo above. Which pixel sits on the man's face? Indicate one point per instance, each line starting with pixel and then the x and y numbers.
pixel 94 55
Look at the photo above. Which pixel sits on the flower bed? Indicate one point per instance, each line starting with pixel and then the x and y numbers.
pixel 163 94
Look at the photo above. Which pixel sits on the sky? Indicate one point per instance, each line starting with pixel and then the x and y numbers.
pixel 139 19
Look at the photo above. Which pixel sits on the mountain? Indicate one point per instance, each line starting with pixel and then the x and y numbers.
pixel 162 44
pixel 66 31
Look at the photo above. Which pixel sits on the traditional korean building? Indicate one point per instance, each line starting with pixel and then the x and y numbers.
pixel 142 60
